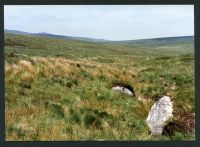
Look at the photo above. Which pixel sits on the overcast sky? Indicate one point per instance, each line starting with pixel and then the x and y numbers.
pixel 112 22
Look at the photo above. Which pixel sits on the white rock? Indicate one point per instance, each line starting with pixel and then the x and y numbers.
pixel 122 90
pixel 160 112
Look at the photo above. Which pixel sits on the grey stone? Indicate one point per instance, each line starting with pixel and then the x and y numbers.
pixel 122 90
pixel 160 112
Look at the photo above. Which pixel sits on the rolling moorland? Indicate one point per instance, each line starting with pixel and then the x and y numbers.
pixel 60 88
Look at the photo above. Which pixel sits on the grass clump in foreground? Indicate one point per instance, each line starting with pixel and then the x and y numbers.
pixel 69 97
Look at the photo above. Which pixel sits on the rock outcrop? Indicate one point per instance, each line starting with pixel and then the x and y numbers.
pixel 160 112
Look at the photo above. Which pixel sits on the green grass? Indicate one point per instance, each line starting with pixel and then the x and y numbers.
pixel 61 89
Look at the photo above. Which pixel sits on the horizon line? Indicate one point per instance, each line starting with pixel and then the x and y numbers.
pixel 97 38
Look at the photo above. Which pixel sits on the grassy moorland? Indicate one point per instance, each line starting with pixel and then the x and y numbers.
pixel 60 89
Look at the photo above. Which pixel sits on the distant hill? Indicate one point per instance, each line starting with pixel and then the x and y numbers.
pixel 157 42
pixel 44 34
pixel 16 32
pixel 179 42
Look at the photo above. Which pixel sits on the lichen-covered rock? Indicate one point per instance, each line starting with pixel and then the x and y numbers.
pixel 160 112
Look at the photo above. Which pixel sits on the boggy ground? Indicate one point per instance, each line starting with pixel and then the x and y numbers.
pixel 61 89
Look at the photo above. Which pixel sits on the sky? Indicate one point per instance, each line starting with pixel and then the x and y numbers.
pixel 111 22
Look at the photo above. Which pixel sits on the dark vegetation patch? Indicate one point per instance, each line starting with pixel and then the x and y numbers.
pixel 78 65
pixel 24 42
pixel 26 85
pixel 184 123
pixel 91 120
pixel 148 70
pixel 104 60
pixel 75 116
pixel 12 54
pixel 164 58
pixel 14 42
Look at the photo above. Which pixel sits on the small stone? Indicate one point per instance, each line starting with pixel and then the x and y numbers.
pixel 160 112
pixel 124 90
